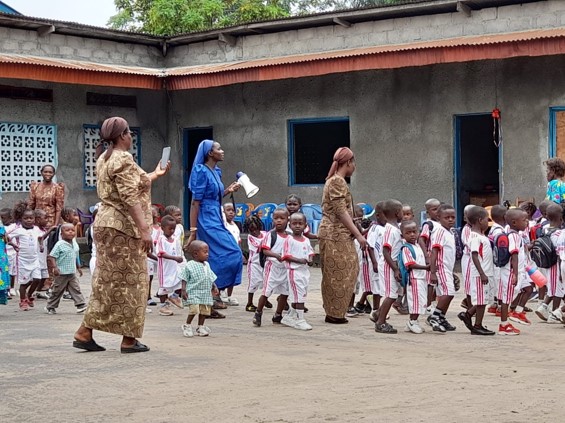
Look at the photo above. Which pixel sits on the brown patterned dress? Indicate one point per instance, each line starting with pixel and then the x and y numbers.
pixel 340 264
pixel 48 197
pixel 120 280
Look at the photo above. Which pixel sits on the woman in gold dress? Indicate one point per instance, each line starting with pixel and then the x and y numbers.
pixel 123 237
pixel 340 264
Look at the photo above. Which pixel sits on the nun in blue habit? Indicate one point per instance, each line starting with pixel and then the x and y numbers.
pixel 206 222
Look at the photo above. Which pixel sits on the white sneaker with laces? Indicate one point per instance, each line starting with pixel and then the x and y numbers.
pixel 81 309
pixel 201 331
pixel 414 327
pixel 289 320
pixel 187 331
pixel 232 301
pixel 302 324
pixel 553 319
pixel 543 311
pixel 558 314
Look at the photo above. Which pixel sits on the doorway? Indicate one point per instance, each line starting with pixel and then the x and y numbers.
pixel 477 162
pixel 191 138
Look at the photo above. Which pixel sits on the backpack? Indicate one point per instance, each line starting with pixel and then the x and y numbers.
pixel 543 253
pixel 458 243
pixel 262 256
pixel 536 231
pixel 53 238
pixel 500 251
pixel 404 271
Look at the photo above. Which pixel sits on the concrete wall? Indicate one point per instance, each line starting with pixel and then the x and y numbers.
pixel 70 112
pixel 17 41
pixel 524 17
pixel 401 124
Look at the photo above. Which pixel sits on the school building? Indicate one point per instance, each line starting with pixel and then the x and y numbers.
pixel 410 88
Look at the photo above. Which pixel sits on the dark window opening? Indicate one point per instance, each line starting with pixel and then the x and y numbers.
pixel 312 144
pixel 113 100
pixel 26 93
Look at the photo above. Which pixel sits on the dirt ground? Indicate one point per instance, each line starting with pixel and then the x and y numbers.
pixel 276 374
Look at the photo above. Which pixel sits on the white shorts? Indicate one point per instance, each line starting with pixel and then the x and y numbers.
pixel 298 280
pixel 445 285
pixel 151 267
pixel 44 273
pixel 506 291
pixel 466 274
pixel 417 295
pixel 554 285
pixel 12 265
pixel 494 283
pixel 274 279
pixel 25 276
pixel 255 277
pixel 478 291
pixel 389 286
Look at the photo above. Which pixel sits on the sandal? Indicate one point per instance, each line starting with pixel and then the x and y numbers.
pixel 137 347
pixel 216 315
pixel 88 346
pixel 251 308
pixel 219 305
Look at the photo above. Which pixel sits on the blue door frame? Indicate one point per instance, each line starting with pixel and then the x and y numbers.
pixel 457 164
pixel 187 160
pixel 552 141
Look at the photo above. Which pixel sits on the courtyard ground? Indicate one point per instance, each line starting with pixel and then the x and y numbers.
pixel 276 374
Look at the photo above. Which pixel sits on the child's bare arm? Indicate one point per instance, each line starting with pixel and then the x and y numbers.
pixel 433 266
pixel 423 243
pixel 52 265
pixel 295 260
pixel 477 263
pixel 393 265
pixel 514 268
pixel 373 259
pixel 416 266
pixel 152 256
pixel 166 256
pixel 184 293
pixel 269 253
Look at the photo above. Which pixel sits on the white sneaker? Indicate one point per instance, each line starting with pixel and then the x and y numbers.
pixel 201 331
pixel 543 311
pixel 187 331
pixel 148 310
pixel 13 292
pixel 557 313
pixel 301 324
pixel 224 296
pixel 430 310
pixel 289 320
pixel 414 327
pixel 81 309
pixel 553 319
pixel 232 301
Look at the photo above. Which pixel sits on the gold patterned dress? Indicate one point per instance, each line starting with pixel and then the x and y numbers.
pixel 48 197
pixel 120 280
pixel 340 264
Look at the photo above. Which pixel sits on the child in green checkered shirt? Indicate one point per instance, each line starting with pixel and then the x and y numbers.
pixel 62 260
pixel 198 289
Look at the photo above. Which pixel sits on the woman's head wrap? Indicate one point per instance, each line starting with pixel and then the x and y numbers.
pixel 204 149
pixel 341 156
pixel 111 129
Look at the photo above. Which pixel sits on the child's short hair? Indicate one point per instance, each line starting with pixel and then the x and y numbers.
pixel 67 213
pixel 293 197
pixel 498 212
pixel 168 220
pixel 513 214
pixel 444 207
pixel 5 211
pixel 554 211
pixel 475 213
pixel 391 208
pixel 358 210
pixel 169 210
pixel 407 223
pixel 39 212
pixel 228 204
pixel 19 209
pixel 556 165
pixel 432 202
pixel 196 245
pixel 380 206
pixel 281 209
pixel 298 214
pixel 528 207
pixel 253 220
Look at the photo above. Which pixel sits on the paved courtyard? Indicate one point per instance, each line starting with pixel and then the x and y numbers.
pixel 276 374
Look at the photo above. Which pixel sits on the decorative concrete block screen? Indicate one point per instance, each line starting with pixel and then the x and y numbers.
pixel 91 137
pixel 24 149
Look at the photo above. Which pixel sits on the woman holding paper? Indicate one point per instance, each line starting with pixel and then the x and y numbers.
pixel 122 234
pixel 206 221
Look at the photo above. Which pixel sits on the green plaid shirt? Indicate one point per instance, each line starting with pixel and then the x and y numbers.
pixel 199 278
pixel 65 255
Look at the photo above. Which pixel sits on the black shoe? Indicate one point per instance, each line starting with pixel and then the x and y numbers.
pixel 336 320
pixel 257 319
pixel 448 326
pixel 466 319
pixel 88 345
pixel 481 330
pixel 137 348
pixel 305 309
pixel 67 296
pixel 268 304
pixel 277 319
pixel 359 308
pixel 385 328
pixel 368 309
pixel 435 323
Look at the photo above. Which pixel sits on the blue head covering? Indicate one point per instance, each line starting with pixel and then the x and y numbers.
pixel 203 149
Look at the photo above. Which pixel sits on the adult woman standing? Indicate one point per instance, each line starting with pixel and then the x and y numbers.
pixel 123 237
pixel 206 222
pixel 340 264
pixel 48 195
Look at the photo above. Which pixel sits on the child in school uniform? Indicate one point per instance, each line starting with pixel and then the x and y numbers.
pixel 169 256
pixel 175 212
pixel 275 278
pixel 417 288
pixel 151 257
pixel 43 231
pixel 293 205
pixel 375 242
pixel 229 214
pixel 9 226
pixel 363 283
pixel 197 285
pixel 63 262
pixel 497 214
pixel 555 289
pixel 442 262
pixel 466 258
pixel 297 255
pixel 428 228
pixel 389 273
pixel 255 237
pixel 480 270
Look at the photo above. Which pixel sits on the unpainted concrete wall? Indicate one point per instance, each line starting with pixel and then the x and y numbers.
pixel 524 17
pixel 70 112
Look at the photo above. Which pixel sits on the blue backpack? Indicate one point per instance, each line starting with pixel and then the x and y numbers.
pixel 404 271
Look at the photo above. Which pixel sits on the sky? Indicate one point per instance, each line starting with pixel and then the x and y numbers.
pixel 90 12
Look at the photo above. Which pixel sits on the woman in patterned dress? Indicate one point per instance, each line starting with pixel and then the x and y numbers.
pixel 122 234
pixel 340 264
pixel 48 196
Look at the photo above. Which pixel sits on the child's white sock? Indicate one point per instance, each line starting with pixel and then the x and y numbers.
pixel 300 314
pixel 504 323
pixel 519 309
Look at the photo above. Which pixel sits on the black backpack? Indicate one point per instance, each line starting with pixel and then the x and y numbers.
pixel 53 238
pixel 500 249
pixel 458 243
pixel 543 253
pixel 262 256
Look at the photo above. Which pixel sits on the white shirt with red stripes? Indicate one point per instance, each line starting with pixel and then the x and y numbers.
pixel 392 238
pixel 444 240
pixel 480 244
pixel 410 260
pixel 298 248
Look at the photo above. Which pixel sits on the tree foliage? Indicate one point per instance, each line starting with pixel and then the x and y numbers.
pixel 170 17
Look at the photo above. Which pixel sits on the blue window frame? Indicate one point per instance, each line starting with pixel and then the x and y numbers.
pixel 552 141
pixel 91 138
pixel 311 145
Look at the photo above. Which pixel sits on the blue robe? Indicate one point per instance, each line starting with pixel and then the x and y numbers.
pixel 225 255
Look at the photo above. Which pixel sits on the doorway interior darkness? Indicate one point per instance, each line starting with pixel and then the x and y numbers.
pixel 191 138
pixel 477 162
